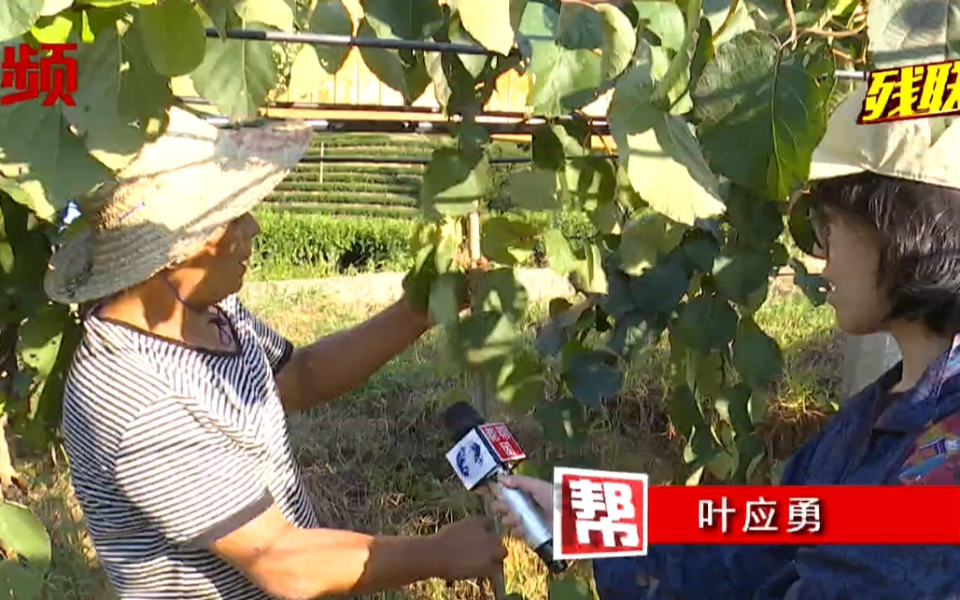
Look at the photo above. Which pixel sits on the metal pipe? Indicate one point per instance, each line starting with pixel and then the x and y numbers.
pixel 329 39
pixel 413 127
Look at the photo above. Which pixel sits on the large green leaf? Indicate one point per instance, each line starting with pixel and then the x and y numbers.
pixel 485 337
pixel 777 100
pixel 174 35
pixel 40 153
pixel 554 143
pixel 756 355
pixel 754 218
pixel 23 533
pixel 739 272
pixel 660 154
pixel 520 383
pixel 565 71
pixel 17 16
pixel 119 95
pixel 533 190
pixel 493 23
pixel 717 12
pixel 646 239
pixel 18 582
pixel 331 17
pixel 500 291
pixel 619 41
pixel 911 33
pixel 665 19
pixel 706 323
pixel 236 75
pixel 558 252
pixel 508 240
pixel 403 71
pixel 275 13
pixel 593 376
pixel 403 19
pixel 40 337
pixel 453 183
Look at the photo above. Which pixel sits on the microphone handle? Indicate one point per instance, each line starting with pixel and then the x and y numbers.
pixel 538 535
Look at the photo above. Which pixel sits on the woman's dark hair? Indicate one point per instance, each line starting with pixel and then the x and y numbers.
pixel 918 228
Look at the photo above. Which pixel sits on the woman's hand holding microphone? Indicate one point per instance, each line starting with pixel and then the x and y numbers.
pixel 541 492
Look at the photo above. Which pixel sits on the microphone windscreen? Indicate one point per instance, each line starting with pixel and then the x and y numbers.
pixel 459 419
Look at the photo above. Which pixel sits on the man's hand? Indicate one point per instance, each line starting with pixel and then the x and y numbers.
pixel 469 549
pixel 541 492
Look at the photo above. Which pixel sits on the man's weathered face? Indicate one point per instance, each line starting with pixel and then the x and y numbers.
pixel 852 263
pixel 217 271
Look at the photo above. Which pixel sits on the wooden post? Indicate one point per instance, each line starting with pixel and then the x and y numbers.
pixel 483 389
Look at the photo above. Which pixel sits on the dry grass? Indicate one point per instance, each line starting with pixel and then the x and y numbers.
pixel 373 461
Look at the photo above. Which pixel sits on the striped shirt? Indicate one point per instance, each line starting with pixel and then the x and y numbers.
pixel 171 447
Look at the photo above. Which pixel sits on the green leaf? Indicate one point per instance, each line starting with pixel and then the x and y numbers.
pixel 404 71
pixel 559 255
pixel 306 73
pixel 754 218
pixel 646 239
pixel 120 100
pixel 716 11
pixel 21 583
pixel 493 23
pixel 733 407
pixel 756 356
pixel 660 154
pixel 704 372
pixel 588 277
pixel 554 143
pixel 40 153
pixel 500 291
pixel 53 30
pixel 563 422
pixel 236 75
pixel 684 412
pixel 220 13
pixel 703 53
pixel 16 17
pixel 331 17
pixel 801 224
pixel 593 376
pixel 22 533
pixel 659 289
pixel 453 183
pixel 508 240
pixel 776 100
pixel 619 41
pixel 484 337
pixel 445 298
pixel 565 72
pixel 418 282
pixel 705 323
pixel 275 13
pixel 665 19
pixel 738 273
pixel 912 33
pixel 174 36
pixel 814 286
pixel 520 384
pixel 533 190
pixel 40 337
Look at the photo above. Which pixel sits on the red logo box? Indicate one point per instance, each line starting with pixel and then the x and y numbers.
pixel 599 514
pixel 502 442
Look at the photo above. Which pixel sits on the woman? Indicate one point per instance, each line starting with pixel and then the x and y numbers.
pixel 889 206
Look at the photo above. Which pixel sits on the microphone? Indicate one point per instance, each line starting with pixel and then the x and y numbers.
pixel 482 452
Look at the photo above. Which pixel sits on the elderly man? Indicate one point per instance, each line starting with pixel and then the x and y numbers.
pixel 174 409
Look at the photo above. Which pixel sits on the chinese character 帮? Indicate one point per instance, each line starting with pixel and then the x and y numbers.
pixel 708 512
pixel 590 498
pixel 760 515
pixel 804 514
pixel 54 75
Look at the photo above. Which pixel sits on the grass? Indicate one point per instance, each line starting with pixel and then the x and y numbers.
pixel 373 461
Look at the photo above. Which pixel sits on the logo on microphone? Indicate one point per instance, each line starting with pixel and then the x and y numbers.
pixel 472 460
pixel 476 457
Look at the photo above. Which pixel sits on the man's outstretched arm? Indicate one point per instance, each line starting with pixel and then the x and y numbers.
pixel 338 363
pixel 292 563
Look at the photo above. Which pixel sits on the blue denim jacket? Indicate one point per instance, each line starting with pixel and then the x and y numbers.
pixel 915 441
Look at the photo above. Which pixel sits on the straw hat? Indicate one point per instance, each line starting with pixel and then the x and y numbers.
pixel 905 149
pixel 163 207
